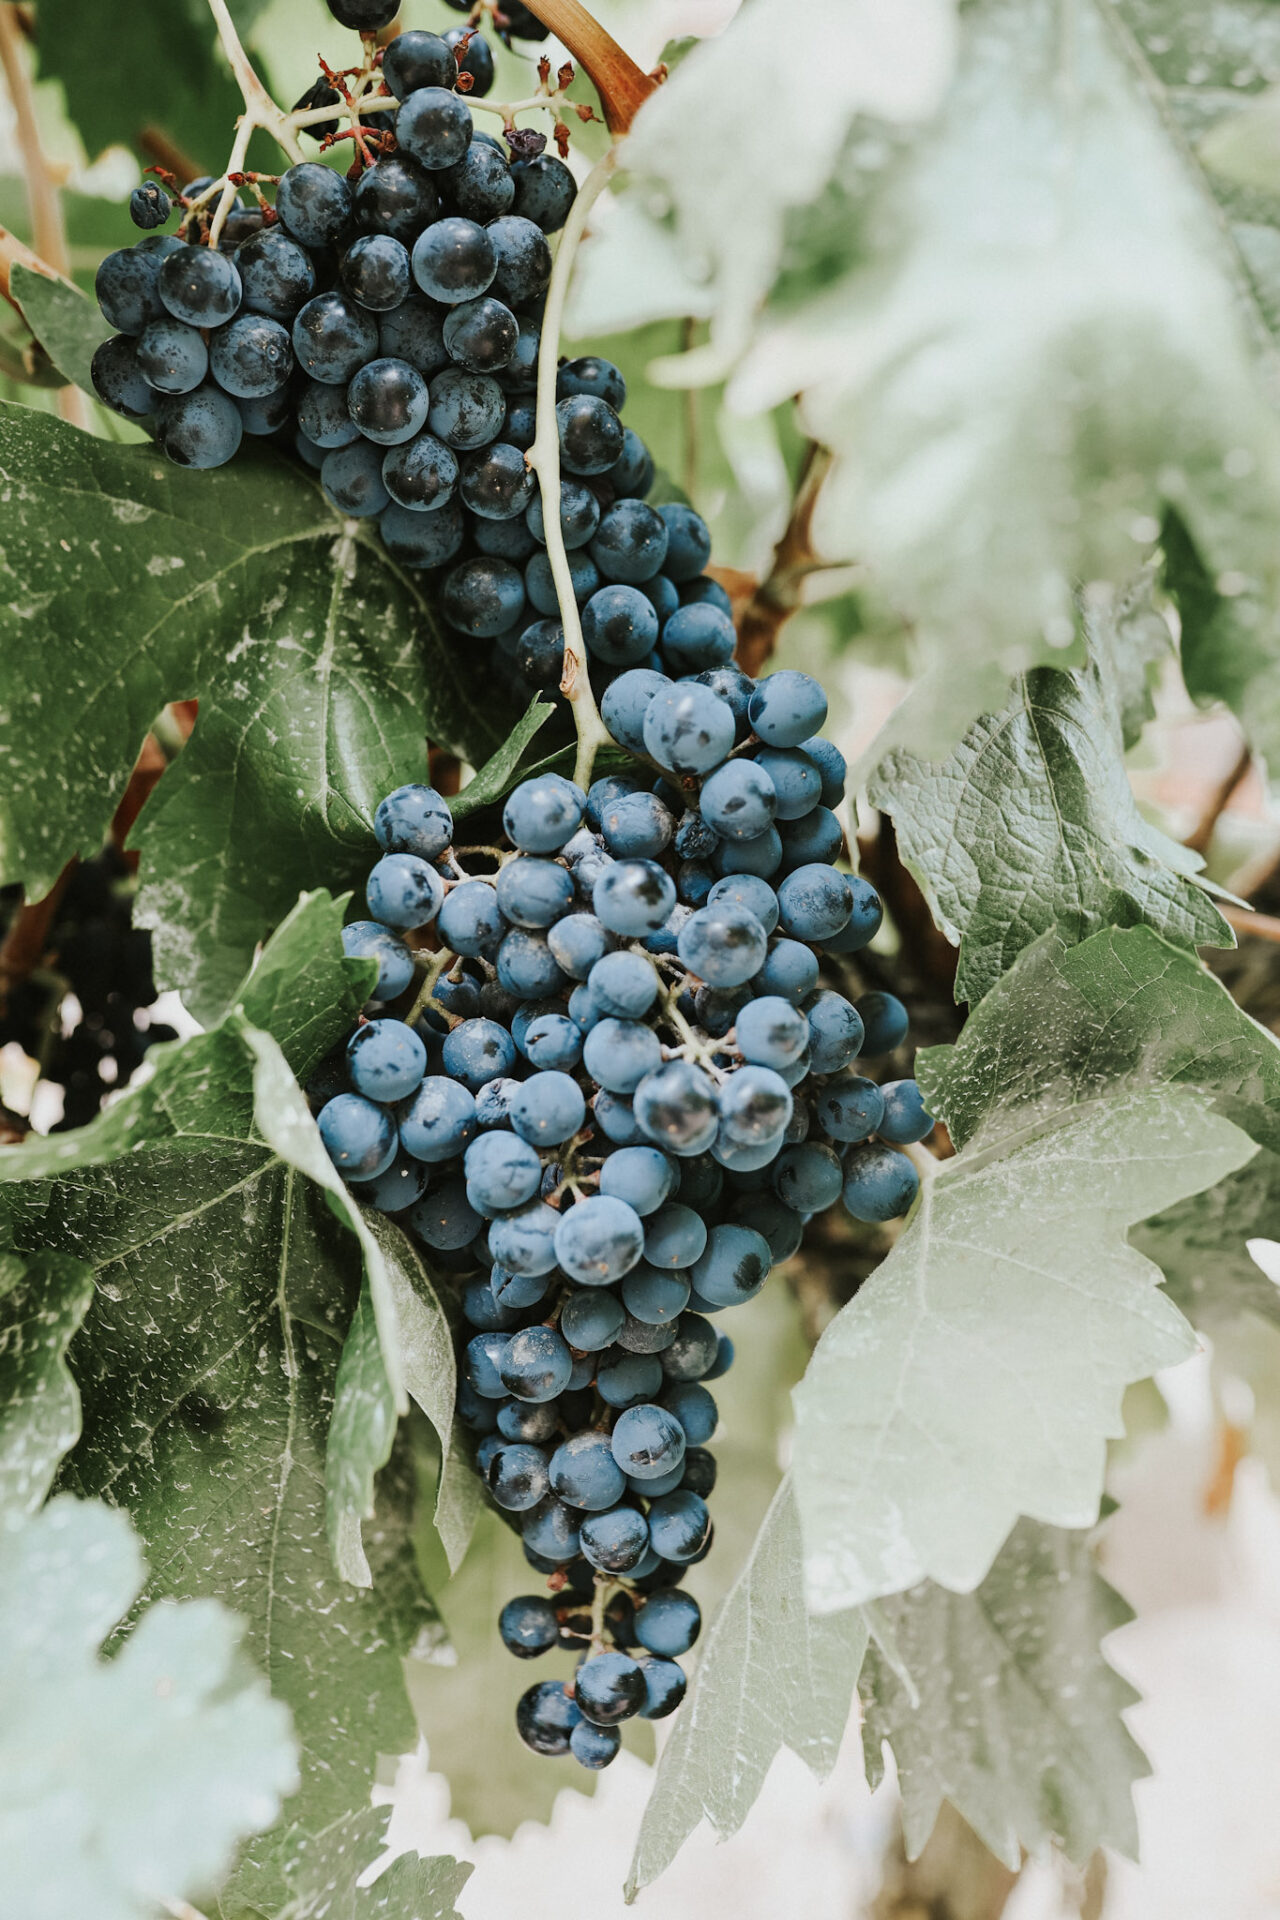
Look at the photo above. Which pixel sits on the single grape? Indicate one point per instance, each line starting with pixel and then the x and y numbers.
pixel 417 59
pixel 364 16
pixel 689 1401
pixel 314 204
pixel 664 1687
pixel 905 1119
pixel 481 334
pixel 579 517
pixel 835 1031
pixel 616 1541
pixel 276 274
pixel 502 1171
pixel 369 940
pixel 625 703
pixel 127 282
pixel 692 1353
pixel 795 778
pixel 626 1380
pixel 816 839
pixel 359 1136
pixel 251 356
pixel 546 1717
pixel 705 592
pixel 375 272
pixel 647 1442
pixel 483 596
pixel 542 813
pixel 199 286
pixel 419 539
pixel 675 1237
pixel 879 1184
pixel 787 707
pixel 654 1299
pixel 480 185
pixel 528 1626
pixel 467 409
pixel 756 895
pixel 171 356
pixel 631 477
pixel 689 730
pixel 352 479
pixel 814 902
pixel 553 1043
pixel 396 197
pixel 884 1022
pixel 676 1108
pixel 619 625
pixel 609 1688
pixel 535 1364
pixel 200 429
pixel 404 891
pixel 593 375
pixel 584 1473
pixel 698 638
pixel 433 127
pixel 577 942
pixel 760 854
pixel 534 892
pixel 590 433
pixel 516 1476
pixel 599 1240
pixel 149 205
pixel 618 1054
pixel 386 1060
pixel 333 338
pixel 400 1187
pixel 388 400
pixel 594 1747
pixel 624 985
pixel 547 1109
pixel 679 1526
pixel 734 1266
pixel 633 897
pixel 495 482
pixel 118 379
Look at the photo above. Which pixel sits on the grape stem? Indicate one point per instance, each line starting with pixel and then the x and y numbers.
pixel 544 459
pixel 260 109
pixel 622 87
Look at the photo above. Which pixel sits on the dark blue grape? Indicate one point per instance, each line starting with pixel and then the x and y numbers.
pixel 905 1118
pixel 199 286
pixel 675 1237
pixel 879 1184
pixel 375 272
pixel 359 1136
pixel 579 517
pixel 528 1626
pixel 480 185
pixel 420 539
pixel 352 478
pixel 421 473
pixel 633 897
pixel 625 703
pixel 599 1240
pixel 619 1053
pixel 631 477
pixel 688 729
pixel 433 126
pixel 545 190
pixel 884 1020
pixel 676 1108
pixel 474 58
pixel 619 625
pixel 496 484
pixel 386 1060
pixel 596 376
pixel 546 1717
pixel 119 381
pixel 617 1541
pixel 483 596
pixel 533 892
pixel 397 197
pixel 609 1688
pixel 388 400
pixel 679 1526
pixel 631 546
pixel 467 409
pixel 314 204
pixel 590 434
pixel 705 592
pixel 417 59
pixel 481 335
pixel 200 429
pixel 692 1353
pixel 171 356
pixel 251 356
pixel 698 638
pixel 647 1442
pixel 127 282
pixel 333 338
pixel 276 274
pixel 149 205
pixel 542 813
pixel 688 543
pixel 454 261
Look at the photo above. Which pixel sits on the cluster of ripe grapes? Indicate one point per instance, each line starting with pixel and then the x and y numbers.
pixel 617 1096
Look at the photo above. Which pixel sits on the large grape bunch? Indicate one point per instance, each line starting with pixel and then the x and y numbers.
pixel 617 1095
pixel 386 330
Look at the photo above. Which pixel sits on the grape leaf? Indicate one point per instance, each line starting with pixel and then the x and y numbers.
pixel 770 1675
pixel 1201 1244
pixel 68 326
pixel 323 1879
pixel 980 1370
pixel 1035 345
pixel 318 666
pixel 221 1266
pixel 115 92
pixel 893 64
pixel 1030 826
pixel 42 1302
pixel 290 989
pixel 500 772
pixel 1004 1705
pixel 126 1783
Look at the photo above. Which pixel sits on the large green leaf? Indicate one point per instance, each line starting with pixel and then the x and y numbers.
pixel 769 1675
pixel 317 662
pixel 117 87
pixel 979 1372
pixel 124 1784
pixel 893 65
pixel 1030 826
pixel 42 1302
pixel 1001 1702
pixel 323 1881
pixel 208 1364
pixel 1032 346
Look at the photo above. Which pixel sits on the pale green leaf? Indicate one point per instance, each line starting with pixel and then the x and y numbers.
pixel 1038 346
pixel 42 1302
pixel 769 1675
pixel 318 665
pixel 223 1265
pixel 1202 1246
pixel 459 1497
pixel 980 1370
pixel 127 1783
pixel 361 1434
pixel 323 1880
pixel 892 63
pixel 68 326
pixel 1011 1711
pixel 1030 826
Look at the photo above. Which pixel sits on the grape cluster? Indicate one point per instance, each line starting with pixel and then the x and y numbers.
pixel 616 1098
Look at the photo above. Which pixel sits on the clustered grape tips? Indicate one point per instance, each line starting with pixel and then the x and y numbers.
pixel 618 1096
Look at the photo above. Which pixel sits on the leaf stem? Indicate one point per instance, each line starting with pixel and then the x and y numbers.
pixel 544 459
